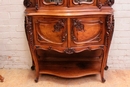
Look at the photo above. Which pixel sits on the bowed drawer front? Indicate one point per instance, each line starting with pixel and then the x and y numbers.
pixel 53 32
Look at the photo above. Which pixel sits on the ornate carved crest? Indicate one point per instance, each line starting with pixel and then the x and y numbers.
pixel 27 3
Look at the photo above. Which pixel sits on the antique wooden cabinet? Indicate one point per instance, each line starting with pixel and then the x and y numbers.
pixel 69 38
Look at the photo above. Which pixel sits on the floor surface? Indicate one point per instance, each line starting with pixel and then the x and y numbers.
pixel 25 78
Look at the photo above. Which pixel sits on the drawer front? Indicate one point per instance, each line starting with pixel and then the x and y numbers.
pixel 49 31
pixel 86 31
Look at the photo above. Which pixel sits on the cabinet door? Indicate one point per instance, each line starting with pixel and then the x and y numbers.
pixel 50 32
pixel 87 31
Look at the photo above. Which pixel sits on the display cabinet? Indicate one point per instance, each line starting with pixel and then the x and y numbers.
pixel 69 38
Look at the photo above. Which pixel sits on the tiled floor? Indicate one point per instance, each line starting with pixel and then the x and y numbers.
pixel 25 78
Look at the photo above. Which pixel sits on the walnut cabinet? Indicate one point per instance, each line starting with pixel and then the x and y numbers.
pixel 69 38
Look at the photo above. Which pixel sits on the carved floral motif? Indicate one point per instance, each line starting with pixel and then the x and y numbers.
pixel 64 37
pixel 107 3
pixel 69 51
pixel 59 25
pixel 29 30
pixel 110 27
pixel 27 3
pixel 78 25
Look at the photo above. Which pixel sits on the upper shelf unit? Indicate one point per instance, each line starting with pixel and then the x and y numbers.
pixel 37 4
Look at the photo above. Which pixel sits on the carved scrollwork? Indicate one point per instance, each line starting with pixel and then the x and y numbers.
pixel 110 27
pixel 59 25
pixel 29 30
pixel 100 5
pixel 69 51
pixel 64 37
pixel 36 7
pixel 107 3
pixel 79 26
pixel 27 3
pixel 73 37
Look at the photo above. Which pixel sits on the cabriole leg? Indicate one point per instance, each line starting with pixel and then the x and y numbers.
pixel 36 80
pixel 103 80
pixel 1 78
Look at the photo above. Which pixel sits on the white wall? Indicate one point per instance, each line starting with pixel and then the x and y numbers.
pixel 14 51
pixel 119 55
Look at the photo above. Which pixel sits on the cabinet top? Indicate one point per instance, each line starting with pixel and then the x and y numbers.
pixel 70 12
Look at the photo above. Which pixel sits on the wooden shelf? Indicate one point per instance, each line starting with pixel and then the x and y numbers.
pixel 69 69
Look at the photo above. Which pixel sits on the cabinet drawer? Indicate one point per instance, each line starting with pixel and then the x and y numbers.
pixel 87 31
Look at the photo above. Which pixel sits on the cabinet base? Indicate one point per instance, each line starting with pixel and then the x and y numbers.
pixel 69 69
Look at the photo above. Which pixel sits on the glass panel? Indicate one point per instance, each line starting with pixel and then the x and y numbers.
pixel 53 1
pixel 85 1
